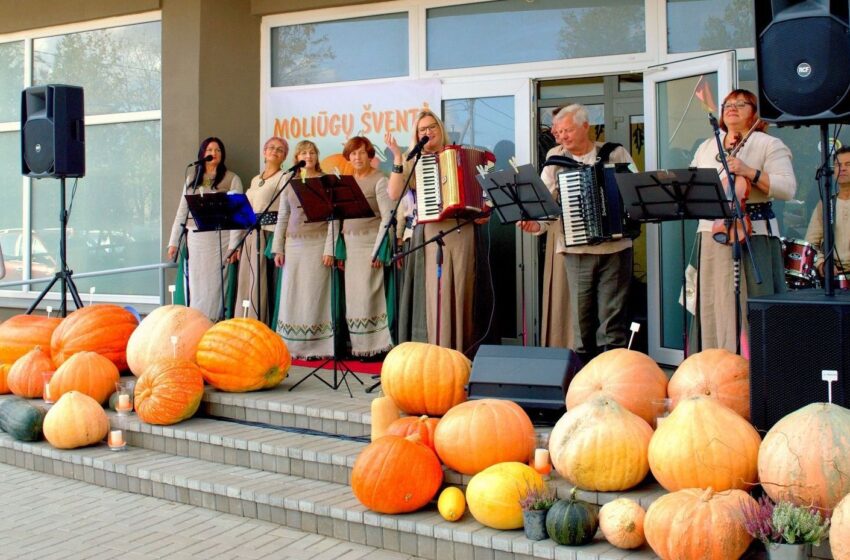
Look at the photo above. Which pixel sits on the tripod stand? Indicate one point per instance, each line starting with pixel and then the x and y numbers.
pixel 65 274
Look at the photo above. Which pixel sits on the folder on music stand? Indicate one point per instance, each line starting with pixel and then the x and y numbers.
pixel 674 194
pixel 221 211
pixel 519 195
pixel 332 198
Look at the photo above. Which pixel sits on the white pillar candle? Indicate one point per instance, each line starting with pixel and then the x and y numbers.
pixel 123 402
pixel 116 438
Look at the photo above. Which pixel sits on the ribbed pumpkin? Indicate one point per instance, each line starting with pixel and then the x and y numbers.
pixel 493 495
pixel 22 333
pixel 695 523
pixel 451 504
pixel 26 376
pixel 572 522
pixel 151 341
pixel 4 382
pixel 75 420
pixel 396 475
pixel 423 426
pixel 86 372
pixel 383 413
pixel 704 444
pixel 601 446
pixel 839 530
pixel 632 378
pixel 102 328
pixel 476 434
pixel 169 391
pixel 805 457
pixel 621 523
pixel 715 373
pixel 425 378
pixel 241 355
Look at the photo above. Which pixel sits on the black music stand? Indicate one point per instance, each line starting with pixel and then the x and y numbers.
pixel 220 211
pixel 674 195
pixel 326 199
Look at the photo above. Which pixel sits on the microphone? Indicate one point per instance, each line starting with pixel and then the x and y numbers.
pixel 417 148
pixel 200 161
pixel 298 165
pixel 713 121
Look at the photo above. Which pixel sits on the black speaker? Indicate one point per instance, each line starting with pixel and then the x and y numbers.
pixel 803 60
pixel 533 377
pixel 53 131
pixel 793 338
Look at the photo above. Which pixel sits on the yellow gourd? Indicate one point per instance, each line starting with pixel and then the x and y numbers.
pixel 451 503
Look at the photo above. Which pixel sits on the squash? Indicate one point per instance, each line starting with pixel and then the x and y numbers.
pixel 241 355
pixel 715 373
pixel 396 475
pixel 572 522
pixel 151 341
pixel 601 446
pixel 424 378
pixel 22 333
pixel 101 328
pixel 423 426
pixel 704 444
pixel 631 378
pixel 839 530
pixel 86 372
pixel 694 523
pixel 4 382
pixel 21 419
pixel 26 376
pixel 169 391
pixel 805 457
pixel 621 523
pixel 384 412
pixel 76 420
pixel 451 504
pixel 493 495
pixel 476 434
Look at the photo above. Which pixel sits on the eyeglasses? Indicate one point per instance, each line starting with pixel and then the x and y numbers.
pixel 736 104
pixel 430 128
pixel 277 149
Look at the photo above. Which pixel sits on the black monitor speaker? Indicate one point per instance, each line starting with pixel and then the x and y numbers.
pixel 53 131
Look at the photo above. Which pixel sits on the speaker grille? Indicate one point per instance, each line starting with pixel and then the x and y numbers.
pixel 38 145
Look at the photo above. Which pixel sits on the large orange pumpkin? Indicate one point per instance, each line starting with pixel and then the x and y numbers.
pixel 76 420
pixel 169 391
pixel 151 341
pixel 476 434
pixel 241 355
pixel 839 530
pixel 715 373
pixel 695 523
pixel 102 328
pixel 423 426
pixel 396 475
pixel 4 383
pixel 704 444
pixel 601 446
pixel 26 376
pixel 805 457
pixel 633 379
pixel 86 372
pixel 425 378
pixel 22 333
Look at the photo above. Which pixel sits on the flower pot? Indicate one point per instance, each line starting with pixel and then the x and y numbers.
pixel 782 551
pixel 534 524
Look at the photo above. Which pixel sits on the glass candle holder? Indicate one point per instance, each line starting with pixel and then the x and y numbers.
pixel 115 440
pixel 662 408
pixel 124 403
pixel 45 393
pixel 542 464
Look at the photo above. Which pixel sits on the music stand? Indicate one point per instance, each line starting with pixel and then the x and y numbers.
pixel 326 199
pixel 674 195
pixel 221 211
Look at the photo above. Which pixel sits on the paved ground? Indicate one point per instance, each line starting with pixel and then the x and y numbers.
pixel 46 517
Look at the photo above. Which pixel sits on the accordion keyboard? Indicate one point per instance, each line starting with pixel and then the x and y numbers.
pixel 428 193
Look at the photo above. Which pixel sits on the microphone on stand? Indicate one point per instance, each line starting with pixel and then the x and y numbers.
pixel 200 161
pixel 417 148
pixel 298 165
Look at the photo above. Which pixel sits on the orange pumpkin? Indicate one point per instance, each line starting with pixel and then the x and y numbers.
pixel 839 530
pixel 76 420
pixel 621 522
pixel 476 434
pixel 423 426
pixel 805 457
pixel 169 391
pixel 716 373
pixel 86 372
pixel 425 378
pixel 102 328
pixel 151 341
pixel 26 376
pixel 4 383
pixel 631 378
pixel 704 444
pixel 241 355
pixel 22 333
pixel 396 475
pixel 696 523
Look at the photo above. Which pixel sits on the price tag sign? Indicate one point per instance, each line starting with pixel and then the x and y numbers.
pixel 829 375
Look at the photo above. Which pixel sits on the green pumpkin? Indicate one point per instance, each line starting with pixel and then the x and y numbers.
pixel 21 419
pixel 572 522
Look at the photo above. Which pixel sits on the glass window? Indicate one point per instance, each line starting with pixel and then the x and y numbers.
pixel 119 67
pixel 490 33
pixel 723 24
pixel 11 221
pixel 338 51
pixel 11 80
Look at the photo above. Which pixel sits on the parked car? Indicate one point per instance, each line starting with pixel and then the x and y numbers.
pixel 43 261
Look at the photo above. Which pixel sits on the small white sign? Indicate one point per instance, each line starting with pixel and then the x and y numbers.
pixel 635 327
pixel 829 375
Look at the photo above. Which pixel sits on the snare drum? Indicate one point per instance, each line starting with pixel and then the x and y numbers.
pixel 842 281
pixel 799 257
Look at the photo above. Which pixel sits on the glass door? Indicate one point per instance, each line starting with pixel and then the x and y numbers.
pixel 678 98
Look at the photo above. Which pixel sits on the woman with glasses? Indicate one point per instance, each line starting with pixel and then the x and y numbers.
pixel 764 163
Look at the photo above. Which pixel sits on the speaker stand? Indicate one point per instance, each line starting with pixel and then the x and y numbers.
pixel 64 275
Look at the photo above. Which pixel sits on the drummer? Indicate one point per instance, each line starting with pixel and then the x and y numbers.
pixel 814 233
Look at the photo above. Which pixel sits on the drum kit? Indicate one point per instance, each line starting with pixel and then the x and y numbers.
pixel 800 271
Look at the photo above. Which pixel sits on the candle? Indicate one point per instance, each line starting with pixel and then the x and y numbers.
pixel 541 461
pixel 123 402
pixel 46 395
pixel 116 438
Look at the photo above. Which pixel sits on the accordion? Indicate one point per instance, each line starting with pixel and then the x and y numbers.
pixel 446 186
pixel 591 205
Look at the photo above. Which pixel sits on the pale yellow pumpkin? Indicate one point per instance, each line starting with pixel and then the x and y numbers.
pixel 493 495
pixel 152 339
pixel 75 420
pixel 384 412
pixel 839 530
pixel 621 522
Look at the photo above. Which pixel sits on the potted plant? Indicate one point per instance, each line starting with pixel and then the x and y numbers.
pixel 535 503
pixel 785 529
